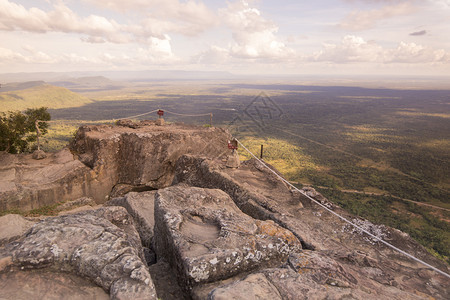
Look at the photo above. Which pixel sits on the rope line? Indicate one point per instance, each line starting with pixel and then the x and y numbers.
pixel 132 117
pixel 129 117
pixel 346 220
pixel 187 115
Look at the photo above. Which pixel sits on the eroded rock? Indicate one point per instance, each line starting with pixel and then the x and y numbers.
pixel 13 227
pixel 205 236
pixel 260 194
pixel 141 207
pixel 254 286
pixel 101 157
pixel 90 244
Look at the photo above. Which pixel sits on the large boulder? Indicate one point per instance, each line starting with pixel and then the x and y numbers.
pixel 89 244
pixel 206 238
pixel 145 155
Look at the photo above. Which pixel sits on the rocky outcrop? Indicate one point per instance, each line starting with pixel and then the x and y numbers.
pixel 218 232
pixel 206 238
pixel 89 244
pixel 27 184
pixel 260 194
pixel 101 158
pixel 146 155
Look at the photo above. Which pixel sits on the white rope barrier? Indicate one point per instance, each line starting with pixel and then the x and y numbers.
pixel 344 219
pixel 186 115
pixel 130 117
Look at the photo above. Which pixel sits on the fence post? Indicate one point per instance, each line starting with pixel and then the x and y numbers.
pixel 210 119
pixel 262 148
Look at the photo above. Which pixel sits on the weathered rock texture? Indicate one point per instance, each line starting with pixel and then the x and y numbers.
pixel 89 244
pixel 227 233
pixel 146 155
pixel 141 207
pixel 13 227
pixel 204 236
pixel 105 156
pixel 260 194
pixel 26 183
pixel 48 285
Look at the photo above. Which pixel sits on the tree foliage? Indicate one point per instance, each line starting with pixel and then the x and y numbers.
pixel 18 129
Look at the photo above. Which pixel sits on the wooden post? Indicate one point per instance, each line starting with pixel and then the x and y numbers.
pixel 210 119
pixel 262 148
pixel 38 132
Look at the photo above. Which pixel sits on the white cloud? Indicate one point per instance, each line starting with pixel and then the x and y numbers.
pixel 413 53
pixel 162 16
pixel 351 49
pixel 213 56
pixel 253 35
pixel 356 49
pixel 360 19
pixel 60 19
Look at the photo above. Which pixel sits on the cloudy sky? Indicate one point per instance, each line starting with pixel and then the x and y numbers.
pixel 392 37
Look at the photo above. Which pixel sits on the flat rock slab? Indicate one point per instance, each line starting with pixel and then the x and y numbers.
pixel 141 207
pixel 13 227
pixel 89 244
pixel 253 287
pixel 41 284
pixel 328 275
pixel 27 184
pixel 205 237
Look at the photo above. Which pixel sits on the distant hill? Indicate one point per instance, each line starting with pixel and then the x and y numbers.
pixel 96 81
pixel 17 86
pixel 20 96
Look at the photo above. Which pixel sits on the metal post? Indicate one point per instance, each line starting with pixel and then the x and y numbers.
pixel 262 148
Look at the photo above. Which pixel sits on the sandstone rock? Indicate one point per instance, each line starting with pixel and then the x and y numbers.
pixel 89 244
pixel 83 201
pixel 166 283
pixel 205 237
pixel 141 207
pixel 13 227
pixel 105 156
pixel 49 285
pixel 146 155
pixel 253 287
pixel 260 194
pixel 28 184
pixel 319 275
pixel 39 154
pixel 160 122
pixel 233 160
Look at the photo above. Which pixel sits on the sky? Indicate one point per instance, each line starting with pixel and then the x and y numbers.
pixel 328 37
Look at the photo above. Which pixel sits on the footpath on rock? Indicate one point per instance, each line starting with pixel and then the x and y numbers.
pixel 153 212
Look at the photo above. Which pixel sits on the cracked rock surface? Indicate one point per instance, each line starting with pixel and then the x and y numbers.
pixel 100 245
pixel 261 195
pixel 205 237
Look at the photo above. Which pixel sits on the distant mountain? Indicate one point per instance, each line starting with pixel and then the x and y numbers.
pixel 20 96
pixel 96 81
pixel 147 75
pixel 17 86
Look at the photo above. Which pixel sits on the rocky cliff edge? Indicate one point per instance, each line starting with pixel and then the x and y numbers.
pixel 179 224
